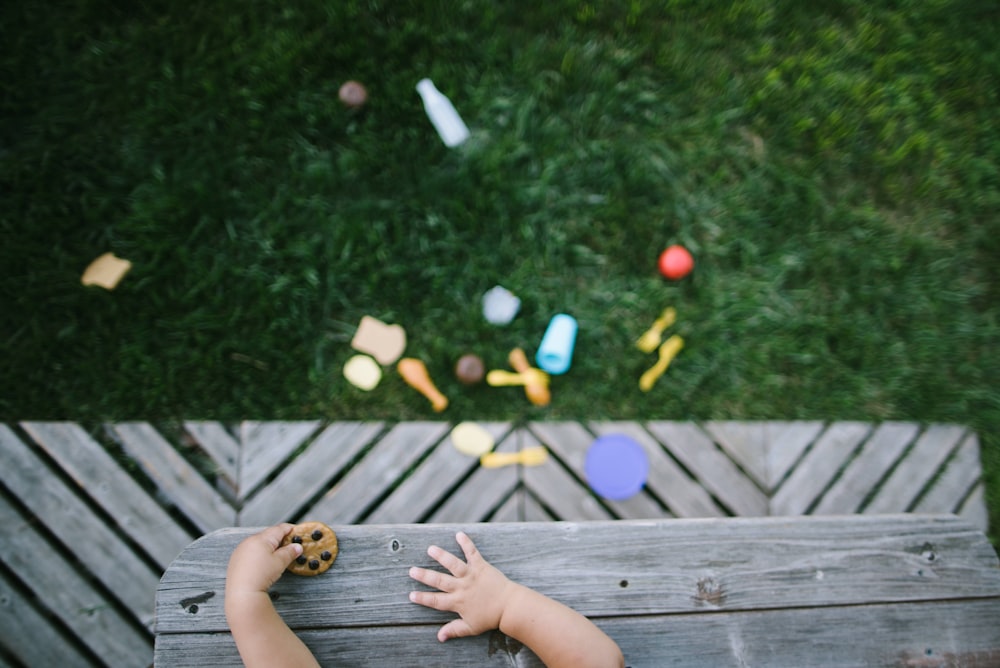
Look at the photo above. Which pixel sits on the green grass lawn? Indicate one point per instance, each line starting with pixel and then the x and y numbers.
pixel 834 169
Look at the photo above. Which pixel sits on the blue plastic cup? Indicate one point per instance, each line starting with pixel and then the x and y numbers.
pixel 556 352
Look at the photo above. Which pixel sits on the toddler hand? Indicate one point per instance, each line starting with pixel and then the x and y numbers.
pixel 477 591
pixel 258 562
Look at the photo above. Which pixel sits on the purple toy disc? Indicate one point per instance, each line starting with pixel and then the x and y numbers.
pixel 616 467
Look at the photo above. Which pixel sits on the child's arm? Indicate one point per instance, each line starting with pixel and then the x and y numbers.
pixel 485 599
pixel 261 636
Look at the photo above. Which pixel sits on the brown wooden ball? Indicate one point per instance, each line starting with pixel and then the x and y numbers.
pixel 353 95
pixel 470 369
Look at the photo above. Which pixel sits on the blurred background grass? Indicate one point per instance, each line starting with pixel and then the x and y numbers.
pixel 834 169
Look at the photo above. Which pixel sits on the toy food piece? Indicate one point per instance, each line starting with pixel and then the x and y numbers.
pixel 676 262
pixel 470 369
pixel 352 95
pixel 383 342
pixel 106 271
pixel 668 351
pixel 415 374
pixel 501 378
pixel 536 390
pixel 363 372
pixel 556 350
pixel 616 467
pixel 319 548
pixel 528 457
pixel 471 439
pixel 647 342
pixel 500 305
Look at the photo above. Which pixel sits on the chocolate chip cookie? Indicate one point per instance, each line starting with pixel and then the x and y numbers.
pixel 319 548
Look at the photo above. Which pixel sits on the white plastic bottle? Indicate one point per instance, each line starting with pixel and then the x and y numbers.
pixel 442 113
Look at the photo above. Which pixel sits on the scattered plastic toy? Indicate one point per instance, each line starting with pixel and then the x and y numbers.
pixel 469 369
pixel 414 372
pixel 537 390
pixel 676 262
pixel 555 354
pixel 654 335
pixel 471 439
pixel 106 271
pixel 442 113
pixel 500 305
pixel 363 372
pixel 668 351
pixel 385 343
pixel 533 456
pixel 616 467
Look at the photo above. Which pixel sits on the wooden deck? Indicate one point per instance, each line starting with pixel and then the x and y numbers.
pixel 93 515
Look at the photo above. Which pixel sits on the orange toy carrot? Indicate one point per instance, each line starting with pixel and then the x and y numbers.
pixel 414 372
pixel 537 393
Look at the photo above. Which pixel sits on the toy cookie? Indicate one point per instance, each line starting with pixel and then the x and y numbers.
pixel 319 548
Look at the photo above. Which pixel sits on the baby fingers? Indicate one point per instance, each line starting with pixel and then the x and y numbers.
pixel 430 599
pixel 433 579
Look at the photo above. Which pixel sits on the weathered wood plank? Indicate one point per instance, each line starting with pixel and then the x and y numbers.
pixel 387 461
pixel 76 526
pixel 264 446
pixel 301 480
pixel 670 566
pixel 937 634
pixel 414 498
pixel 960 474
pixel 29 636
pixel 714 470
pixel 786 441
pixel 571 441
pixel 973 509
pixel 922 463
pixel 68 595
pixel 93 469
pixel 818 467
pixel 215 440
pixel 566 497
pixel 177 479
pixel 485 489
pixel 864 472
pixel 746 443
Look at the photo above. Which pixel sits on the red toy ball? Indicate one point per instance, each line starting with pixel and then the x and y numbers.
pixel 676 262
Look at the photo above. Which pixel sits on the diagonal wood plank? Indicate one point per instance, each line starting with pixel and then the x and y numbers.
pixel 264 446
pixel 571 441
pixel 216 441
pixel 83 533
pixel 960 475
pixel 114 490
pixel 716 472
pixel 864 472
pixel 68 595
pixel 30 638
pixel 923 462
pixel 177 479
pixel 746 443
pixel 301 480
pixel 786 441
pixel 486 489
pixel 818 467
pixel 390 458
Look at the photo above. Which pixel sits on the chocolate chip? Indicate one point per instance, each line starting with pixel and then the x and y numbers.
pixel 300 560
pixel 317 534
pixel 325 556
pixel 314 564
pixel 297 539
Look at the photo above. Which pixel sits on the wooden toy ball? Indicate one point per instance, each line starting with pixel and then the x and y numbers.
pixel 470 369
pixel 676 262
